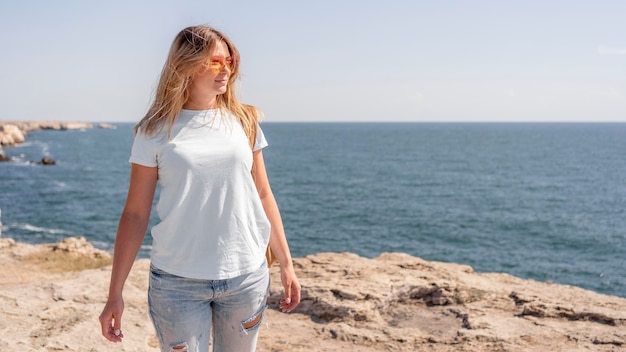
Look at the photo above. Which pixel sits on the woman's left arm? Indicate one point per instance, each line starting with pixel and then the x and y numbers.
pixel 278 240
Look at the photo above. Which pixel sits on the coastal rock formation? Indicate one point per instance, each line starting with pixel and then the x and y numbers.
pixel 106 125
pixel 399 302
pixel 394 302
pixel 26 126
pixel 10 134
pixel 14 132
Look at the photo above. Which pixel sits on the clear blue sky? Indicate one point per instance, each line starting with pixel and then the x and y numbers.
pixel 326 60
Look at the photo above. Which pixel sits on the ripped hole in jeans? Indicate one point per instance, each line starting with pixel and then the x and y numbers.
pixel 253 322
pixel 180 347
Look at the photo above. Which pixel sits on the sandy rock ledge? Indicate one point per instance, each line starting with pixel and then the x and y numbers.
pixel 394 302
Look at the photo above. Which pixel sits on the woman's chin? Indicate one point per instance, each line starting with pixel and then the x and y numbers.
pixel 221 90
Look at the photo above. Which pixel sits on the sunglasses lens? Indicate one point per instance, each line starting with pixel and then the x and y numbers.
pixel 218 63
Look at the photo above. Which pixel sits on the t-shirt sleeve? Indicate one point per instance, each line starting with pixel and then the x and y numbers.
pixel 144 151
pixel 260 142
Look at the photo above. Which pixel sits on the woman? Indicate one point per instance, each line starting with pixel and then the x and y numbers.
pixel 209 274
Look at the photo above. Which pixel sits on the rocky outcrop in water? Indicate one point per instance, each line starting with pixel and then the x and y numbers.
pixel 26 126
pixel 106 125
pixel 46 161
pixel 14 132
pixel 11 134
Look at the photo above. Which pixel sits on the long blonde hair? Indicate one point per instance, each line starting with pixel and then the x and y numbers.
pixel 190 49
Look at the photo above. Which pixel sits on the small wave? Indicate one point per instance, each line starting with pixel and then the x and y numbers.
pixel 16 160
pixel 27 144
pixel 23 145
pixel 22 161
pixel 59 184
pixel 32 228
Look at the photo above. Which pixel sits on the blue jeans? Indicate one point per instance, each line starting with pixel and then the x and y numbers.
pixel 184 311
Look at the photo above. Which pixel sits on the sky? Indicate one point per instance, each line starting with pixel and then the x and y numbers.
pixel 341 60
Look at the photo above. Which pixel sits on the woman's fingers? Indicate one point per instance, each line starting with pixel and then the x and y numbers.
pixel 291 297
pixel 111 322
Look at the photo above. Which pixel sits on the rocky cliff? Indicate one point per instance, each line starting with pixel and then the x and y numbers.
pixel 395 302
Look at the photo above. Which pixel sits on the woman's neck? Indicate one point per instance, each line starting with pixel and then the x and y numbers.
pixel 200 104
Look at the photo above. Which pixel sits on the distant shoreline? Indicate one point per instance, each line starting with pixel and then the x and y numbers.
pixel 15 132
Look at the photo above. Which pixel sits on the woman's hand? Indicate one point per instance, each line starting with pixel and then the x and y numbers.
pixel 291 297
pixel 111 319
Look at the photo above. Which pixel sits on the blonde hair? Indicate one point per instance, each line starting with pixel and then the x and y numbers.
pixel 191 48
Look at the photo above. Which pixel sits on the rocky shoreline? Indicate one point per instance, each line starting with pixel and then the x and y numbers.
pixel 394 302
pixel 14 132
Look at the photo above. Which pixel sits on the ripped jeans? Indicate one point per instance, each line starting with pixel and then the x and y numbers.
pixel 184 311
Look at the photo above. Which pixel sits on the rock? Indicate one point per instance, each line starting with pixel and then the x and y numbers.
pixel 46 161
pixel 10 134
pixel 106 125
pixel 75 126
pixel 6 243
pixel 399 302
pixel 26 126
pixel 76 245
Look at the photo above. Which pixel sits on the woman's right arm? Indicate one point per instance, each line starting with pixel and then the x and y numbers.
pixel 130 234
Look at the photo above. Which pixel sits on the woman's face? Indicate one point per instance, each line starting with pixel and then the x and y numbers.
pixel 212 77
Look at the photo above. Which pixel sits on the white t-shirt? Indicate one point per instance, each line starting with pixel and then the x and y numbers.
pixel 213 225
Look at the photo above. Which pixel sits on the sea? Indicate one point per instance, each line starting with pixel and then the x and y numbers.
pixel 544 201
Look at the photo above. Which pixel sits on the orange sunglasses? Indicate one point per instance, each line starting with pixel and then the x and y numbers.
pixel 218 62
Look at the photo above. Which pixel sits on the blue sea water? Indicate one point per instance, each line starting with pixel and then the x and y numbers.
pixel 536 200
